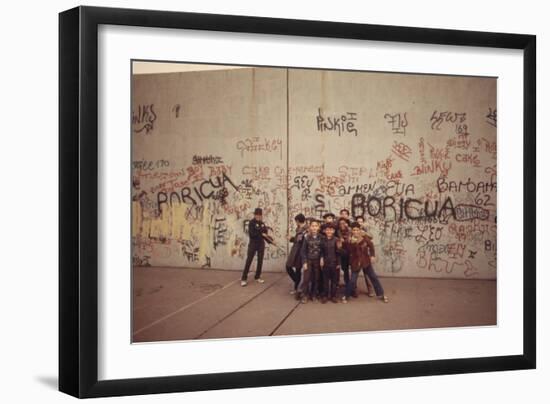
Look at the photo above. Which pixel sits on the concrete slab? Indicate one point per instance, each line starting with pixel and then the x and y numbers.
pixel 261 316
pixel 191 320
pixel 414 303
pixel 206 303
pixel 159 291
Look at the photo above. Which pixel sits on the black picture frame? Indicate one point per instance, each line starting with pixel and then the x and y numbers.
pixel 78 200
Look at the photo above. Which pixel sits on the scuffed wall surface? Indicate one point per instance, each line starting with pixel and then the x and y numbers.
pixel 208 147
pixel 414 154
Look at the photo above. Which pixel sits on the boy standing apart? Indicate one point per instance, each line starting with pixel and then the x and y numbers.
pixel 256 230
pixel 311 258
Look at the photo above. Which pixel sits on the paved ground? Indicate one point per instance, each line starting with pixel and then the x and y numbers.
pixel 179 304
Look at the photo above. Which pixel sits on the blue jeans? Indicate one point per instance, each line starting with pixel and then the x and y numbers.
pixel 368 272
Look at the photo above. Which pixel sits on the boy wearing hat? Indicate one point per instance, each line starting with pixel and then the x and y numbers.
pixel 256 229
pixel 328 219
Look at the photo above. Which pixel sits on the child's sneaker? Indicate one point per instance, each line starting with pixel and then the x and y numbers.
pixel 260 280
pixel 385 299
pixel 244 283
pixel 344 299
pixel 303 300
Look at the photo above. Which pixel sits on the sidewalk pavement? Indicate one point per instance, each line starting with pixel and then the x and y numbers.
pixel 182 303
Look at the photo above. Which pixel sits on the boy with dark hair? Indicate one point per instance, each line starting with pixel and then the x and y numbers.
pixel 311 258
pixel 343 233
pixel 361 252
pixel 363 225
pixel 256 231
pixel 360 220
pixel 330 266
pixel 294 261
pixel 344 214
pixel 328 219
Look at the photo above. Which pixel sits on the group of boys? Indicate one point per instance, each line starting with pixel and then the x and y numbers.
pixel 319 252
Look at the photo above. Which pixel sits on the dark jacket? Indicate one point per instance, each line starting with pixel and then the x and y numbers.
pixel 359 251
pixel 330 252
pixel 311 247
pixel 294 258
pixel 344 236
pixel 255 230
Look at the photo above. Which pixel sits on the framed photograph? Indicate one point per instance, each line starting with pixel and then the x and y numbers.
pixel 250 201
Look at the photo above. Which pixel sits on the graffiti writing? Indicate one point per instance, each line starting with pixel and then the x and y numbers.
pixel 213 188
pixel 491 117
pixel 438 118
pixel 342 123
pixel 209 159
pixel 398 122
pixel 143 118
pixel 255 144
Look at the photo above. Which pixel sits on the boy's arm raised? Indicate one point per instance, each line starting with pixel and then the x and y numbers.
pixel 371 249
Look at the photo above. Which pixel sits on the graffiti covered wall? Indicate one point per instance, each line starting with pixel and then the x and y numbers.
pixel 414 154
pixel 208 147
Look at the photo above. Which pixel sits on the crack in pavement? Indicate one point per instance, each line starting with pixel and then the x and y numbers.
pixel 240 307
pixel 285 318
pixel 182 308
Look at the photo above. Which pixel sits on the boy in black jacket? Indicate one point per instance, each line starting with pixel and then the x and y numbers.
pixel 256 229
pixel 311 258
pixel 294 260
pixel 328 220
pixel 330 265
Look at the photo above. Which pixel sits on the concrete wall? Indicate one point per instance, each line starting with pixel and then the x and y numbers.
pixel 201 141
pixel 414 154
